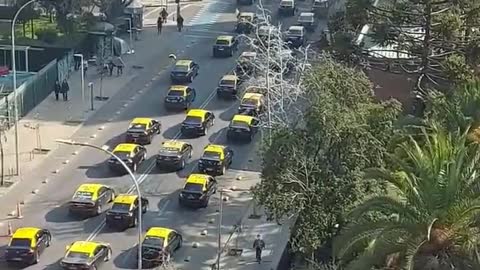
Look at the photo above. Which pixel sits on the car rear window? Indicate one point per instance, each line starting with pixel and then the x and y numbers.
pixel 20 242
pixel 191 187
pixel 295 32
pixel 121 207
pixel 154 241
pixel 77 255
pixel 193 120
pixel 210 154
pixel 168 151
pixel 222 42
pixel 181 68
pixel 138 126
pixel 122 154
pixel 239 124
pixel 175 93
pixel 83 195
pixel 227 82
pixel 306 18
pixel 249 101
pixel 286 3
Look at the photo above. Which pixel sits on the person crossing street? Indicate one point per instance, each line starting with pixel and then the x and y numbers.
pixel 180 23
pixel 258 245
pixel 164 15
pixel 159 25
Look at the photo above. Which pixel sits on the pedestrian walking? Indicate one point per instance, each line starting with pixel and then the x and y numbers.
pixel 64 89
pixel 159 25
pixel 57 89
pixel 78 63
pixel 179 22
pixel 110 68
pixel 164 15
pixel 258 245
pixel 118 62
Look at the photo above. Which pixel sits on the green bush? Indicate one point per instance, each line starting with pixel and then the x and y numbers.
pixel 48 35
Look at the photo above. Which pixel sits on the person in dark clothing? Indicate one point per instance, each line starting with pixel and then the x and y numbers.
pixel 164 15
pixel 78 63
pixel 57 90
pixel 180 23
pixel 258 245
pixel 110 68
pixel 65 88
pixel 159 25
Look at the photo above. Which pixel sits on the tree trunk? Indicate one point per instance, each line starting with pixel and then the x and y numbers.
pixel 426 39
pixel 31 29
pixel 24 29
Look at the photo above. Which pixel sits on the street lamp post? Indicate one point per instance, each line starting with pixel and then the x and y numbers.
pixel 267 77
pixel 134 180
pixel 14 69
pixel 130 31
pixel 82 74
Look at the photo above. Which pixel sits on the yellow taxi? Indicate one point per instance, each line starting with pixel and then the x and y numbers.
pixel 90 199
pixel 246 22
pixel 197 190
pixel 197 122
pixel 27 244
pixel 215 159
pixel 243 127
pixel 252 104
pixel 124 211
pixel 86 255
pixel 184 71
pixel 174 154
pixel 158 246
pixel 225 46
pixel 180 97
pixel 142 130
pixel 131 154
pixel 228 86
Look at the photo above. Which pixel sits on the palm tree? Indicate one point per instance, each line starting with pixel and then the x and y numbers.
pixel 428 219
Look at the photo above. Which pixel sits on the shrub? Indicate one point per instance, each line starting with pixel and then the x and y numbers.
pixel 48 35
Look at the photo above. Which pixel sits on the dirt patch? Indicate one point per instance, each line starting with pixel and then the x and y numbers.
pixel 393 85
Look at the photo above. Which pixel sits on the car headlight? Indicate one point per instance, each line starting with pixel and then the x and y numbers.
pixel 111 160
pixel 146 133
pixel 182 195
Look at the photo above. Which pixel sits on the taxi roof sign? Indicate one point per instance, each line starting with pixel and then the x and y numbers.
pixel 246 14
pixel 125 147
pixel 93 188
pixel 226 38
pixel 125 198
pixel 26 232
pixel 83 246
pixel 214 148
pixel 243 118
pixel 197 178
pixel 230 77
pixel 183 62
pixel 141 120
pixel 159 232
pixel 197 113
pixel 173 144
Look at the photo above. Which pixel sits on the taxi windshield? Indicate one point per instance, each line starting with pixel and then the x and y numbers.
pixel 239 124
pixel 227 82
pixel 211 155
pixel 175 93
pixel 295 32
pixel 122 154
pixel 222 42
pixel 249 101
pixel 195 120
pixel 168 151
pixel 83 195
pixel 78 255
pixel 181 68
pixel 191 187
pixel 20 242
pixel 153 241
pixel 121 207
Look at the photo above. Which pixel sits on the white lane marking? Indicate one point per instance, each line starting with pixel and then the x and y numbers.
pixel 163 208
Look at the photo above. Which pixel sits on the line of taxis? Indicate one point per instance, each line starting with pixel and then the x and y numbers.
pixel 122 210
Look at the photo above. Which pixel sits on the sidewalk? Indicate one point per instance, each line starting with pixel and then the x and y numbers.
pixel 275 236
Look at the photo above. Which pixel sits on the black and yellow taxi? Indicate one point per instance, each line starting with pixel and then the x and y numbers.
pixel 246 22
pixel 245 65
pixel 215 159
pixel 82 255
pixel 197 190
pixel 184 71
pixel 180 97
pixel 252 104
pixel 141 130
pixel 174 154
pixel 225 46
pixel 131 154
pixel 243 127
pixel 124 211
pixel 228 86
pixel 26 245
pixel 90 199
pixel 159 245
pixel 197 122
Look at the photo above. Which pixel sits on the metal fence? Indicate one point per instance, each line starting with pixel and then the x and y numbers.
pixel 29 94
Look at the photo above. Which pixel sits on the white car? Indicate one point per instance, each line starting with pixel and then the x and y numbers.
pixel 287 7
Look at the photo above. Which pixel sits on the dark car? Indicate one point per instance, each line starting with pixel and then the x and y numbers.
pixel 124 211
pixel 225 46
pixel 307 20
pixel 174 154
pixel 142 130
pixel 197 122
pixel 295 36
pixel 215 159
pixel 131 154
pixel 82 255
pixel 90 199
pixel 159 245
pixel 320 8
pixel 246 22
pixel 287 7
pixel 245 65
pixel 184 71
pixel 228 86
pixel 180 97
pixel 197 190
pixel 26 245
pixel 242 127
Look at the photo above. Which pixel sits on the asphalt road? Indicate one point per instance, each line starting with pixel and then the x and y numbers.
pixel 47 209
